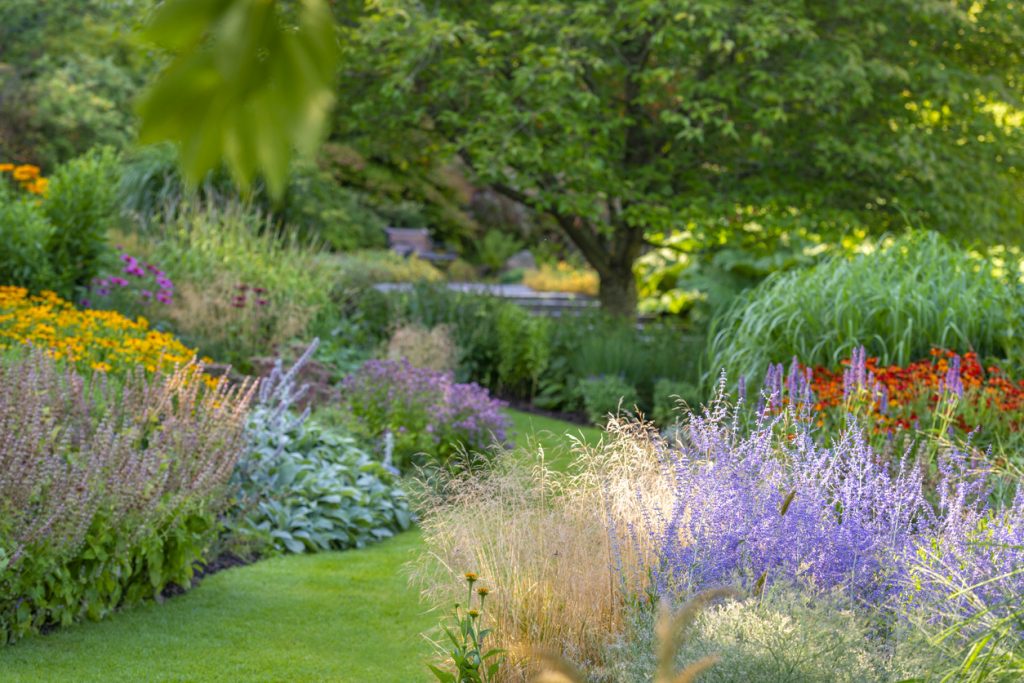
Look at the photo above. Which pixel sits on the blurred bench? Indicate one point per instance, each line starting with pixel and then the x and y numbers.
pixel 415 241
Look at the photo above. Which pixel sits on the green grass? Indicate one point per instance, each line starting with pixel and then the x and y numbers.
pixel 554 436
pixel 348 616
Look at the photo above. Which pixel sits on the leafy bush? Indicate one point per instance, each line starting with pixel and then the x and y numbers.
pixel 524 349
pixel 667 395
pixel 607 395
pixel 425 412
pixel 110 490
pixel 562 277
pixel 81 204
pixel 917 292
pixel 496 248
pixel 24 234
pixel 92 340
pixel 336 215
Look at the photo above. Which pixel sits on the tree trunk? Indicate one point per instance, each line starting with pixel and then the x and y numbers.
pixel 617 292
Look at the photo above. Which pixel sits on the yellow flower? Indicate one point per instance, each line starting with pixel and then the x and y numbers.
pixel 471 577
pixel 25 172
pixel 6 168
pixel 483 592
pixel 473 613
pixel 101 367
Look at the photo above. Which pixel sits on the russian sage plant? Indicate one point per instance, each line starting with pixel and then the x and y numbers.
pixel 765 504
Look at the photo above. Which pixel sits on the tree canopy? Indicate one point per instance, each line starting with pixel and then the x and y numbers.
pixel 627 118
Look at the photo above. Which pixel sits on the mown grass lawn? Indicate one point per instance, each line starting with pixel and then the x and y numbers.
pixel 554 436
pixel 347 616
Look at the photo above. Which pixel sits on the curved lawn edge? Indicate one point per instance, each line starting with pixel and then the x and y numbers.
pixel 344 616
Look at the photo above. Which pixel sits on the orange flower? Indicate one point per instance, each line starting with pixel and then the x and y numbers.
pixel 26 172
pixel 6 168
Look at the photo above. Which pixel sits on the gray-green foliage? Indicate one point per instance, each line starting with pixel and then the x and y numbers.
pixel 301 487
pixel 899 301
pixel 309 489
pixel 787 638
pixel 607 394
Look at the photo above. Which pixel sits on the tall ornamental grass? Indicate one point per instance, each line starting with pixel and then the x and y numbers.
pixel 109 491
pixel 769 506
pixel 242 288
pixel 917 292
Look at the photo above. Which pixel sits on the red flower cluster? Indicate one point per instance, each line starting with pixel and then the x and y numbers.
pixel 911 392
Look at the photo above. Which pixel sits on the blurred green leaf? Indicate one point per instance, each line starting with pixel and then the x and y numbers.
pixel 246 87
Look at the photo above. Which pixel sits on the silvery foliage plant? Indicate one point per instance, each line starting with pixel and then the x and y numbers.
pixel 303 488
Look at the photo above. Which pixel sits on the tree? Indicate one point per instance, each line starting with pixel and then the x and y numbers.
pixel 624 118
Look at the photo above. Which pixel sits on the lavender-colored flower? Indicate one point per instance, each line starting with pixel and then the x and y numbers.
pixel 426 410
pixel 750 503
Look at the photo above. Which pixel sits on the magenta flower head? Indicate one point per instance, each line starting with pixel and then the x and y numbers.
pixel 262 302
pixel 164 283
pixel 119 281
pixel 164 297
pixel 238 301
pixel 146 294
pixel 259 290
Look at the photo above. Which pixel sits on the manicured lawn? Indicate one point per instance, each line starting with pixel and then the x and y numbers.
pixel 554 436
pixel 347 616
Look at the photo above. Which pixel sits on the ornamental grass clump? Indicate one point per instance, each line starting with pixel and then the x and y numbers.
pixel 109 490
pixel 912 293
pixel 420 414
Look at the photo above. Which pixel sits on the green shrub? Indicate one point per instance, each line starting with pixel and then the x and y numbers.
pixel 604 345
pixel 320 208
pixel 524 349
pixel 496 248
pixel 608 394
pixel 24 234
pixel 667 395
pixel 81 205
pixel 917 292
